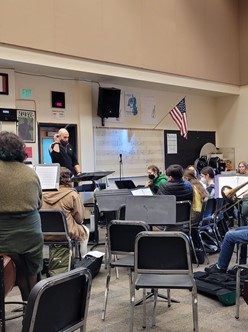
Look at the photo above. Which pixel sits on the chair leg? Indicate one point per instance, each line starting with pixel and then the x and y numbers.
pixel 116 269
pixel 132 309
pixel 237 293
pixel 195 309
pixel 193 248
pixel 169 297
pixel 144 308
pixel 106 294
pixel 203 248
pixel 106 251
pixel 2 296
pixel 130 277
pixel 154 307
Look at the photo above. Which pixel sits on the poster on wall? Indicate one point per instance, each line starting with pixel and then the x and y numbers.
pixel 131 104
pixel 148 110
pixel 26 125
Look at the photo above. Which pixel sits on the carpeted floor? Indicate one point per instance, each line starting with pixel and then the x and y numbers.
pixel 213 316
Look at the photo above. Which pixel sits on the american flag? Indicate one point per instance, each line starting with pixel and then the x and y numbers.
pixel 178 114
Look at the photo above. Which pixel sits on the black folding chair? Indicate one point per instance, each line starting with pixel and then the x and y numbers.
pixel 156 267
pixel 109 203
pixel 55 230
pixel 59 303
pixel 121 239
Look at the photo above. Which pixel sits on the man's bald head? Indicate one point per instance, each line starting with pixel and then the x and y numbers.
pixel 64 136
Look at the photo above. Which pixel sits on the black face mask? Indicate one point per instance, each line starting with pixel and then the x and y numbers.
pixel 151 176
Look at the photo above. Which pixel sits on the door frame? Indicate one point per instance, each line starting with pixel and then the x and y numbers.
pixel 43 131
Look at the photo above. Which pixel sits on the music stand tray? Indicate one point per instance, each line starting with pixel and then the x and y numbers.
pixel 154 210
pixel 92 176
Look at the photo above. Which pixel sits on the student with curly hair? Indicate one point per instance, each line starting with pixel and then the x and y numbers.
pixel 21 236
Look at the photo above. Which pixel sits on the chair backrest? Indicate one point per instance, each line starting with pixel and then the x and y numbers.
pixel 208 210
pixel 162 252
pixel 154 210
pixel 183 212
pixel 59 303
pixel 122 234
pixel 210 207
pixel 54 225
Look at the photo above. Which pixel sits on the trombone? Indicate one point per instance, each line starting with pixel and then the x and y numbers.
pixel 230 196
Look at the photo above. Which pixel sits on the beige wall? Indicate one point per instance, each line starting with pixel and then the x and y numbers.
pixel 184 37
pixel 232 119
pixel 81 106
pixel 243 10
pixel 195 38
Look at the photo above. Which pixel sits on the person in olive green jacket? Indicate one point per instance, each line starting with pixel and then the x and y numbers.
pixel 156 178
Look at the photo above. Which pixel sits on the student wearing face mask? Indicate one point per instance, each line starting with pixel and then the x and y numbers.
pixel 156 178
pixel 207 178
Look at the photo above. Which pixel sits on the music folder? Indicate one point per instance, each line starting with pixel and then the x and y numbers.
pixel 49 176
pixel 125 184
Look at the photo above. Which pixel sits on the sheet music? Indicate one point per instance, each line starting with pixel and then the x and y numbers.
pixel 49 176
pixel 142 192
pixel 232 182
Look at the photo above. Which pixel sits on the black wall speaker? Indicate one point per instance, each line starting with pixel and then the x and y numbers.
pixel 108 102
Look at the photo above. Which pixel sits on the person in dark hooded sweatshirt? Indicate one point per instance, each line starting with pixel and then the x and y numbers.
pixel 176 185
pixel 68 200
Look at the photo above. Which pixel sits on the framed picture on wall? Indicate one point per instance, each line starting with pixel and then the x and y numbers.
pixel 27 125
pixel 4 84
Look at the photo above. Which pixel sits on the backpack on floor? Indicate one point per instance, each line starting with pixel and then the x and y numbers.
pixel 221 286
pixel 60 259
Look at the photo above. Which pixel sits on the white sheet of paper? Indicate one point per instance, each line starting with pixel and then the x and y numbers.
pixel 47 176
pixel 142 192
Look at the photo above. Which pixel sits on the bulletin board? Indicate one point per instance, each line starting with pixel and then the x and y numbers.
pixel 138 149
pixel 179 150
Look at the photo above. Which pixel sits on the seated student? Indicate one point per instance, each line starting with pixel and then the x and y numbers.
pixel 199 194
pixel 242 168
pixel 192 168
pixel 68 200
pixel 227 247
pixel 21 197
pixel 156 178
pixel 176 185
pixel 207 178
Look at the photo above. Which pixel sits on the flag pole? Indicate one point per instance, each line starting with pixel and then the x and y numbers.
pixel 166 115
pixel 161 120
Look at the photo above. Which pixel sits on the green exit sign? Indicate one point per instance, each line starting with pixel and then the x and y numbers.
pixel 26 93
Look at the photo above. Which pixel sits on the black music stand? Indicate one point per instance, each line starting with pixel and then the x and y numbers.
pixel 109 200
pixel 154 210
pixel 93 177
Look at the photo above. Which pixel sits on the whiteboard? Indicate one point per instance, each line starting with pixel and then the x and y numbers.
pixel 139 148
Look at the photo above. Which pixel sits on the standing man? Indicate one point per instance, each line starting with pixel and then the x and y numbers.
pixel 63 153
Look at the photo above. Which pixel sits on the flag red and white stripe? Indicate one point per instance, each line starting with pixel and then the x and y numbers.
pixel 178 114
